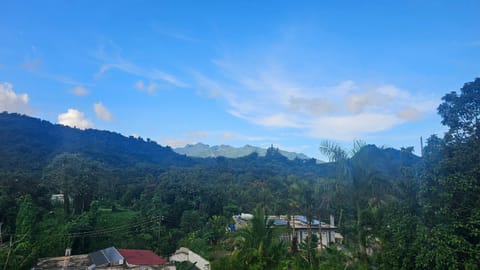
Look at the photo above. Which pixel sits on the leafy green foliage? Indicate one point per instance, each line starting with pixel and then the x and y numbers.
pixel 259 245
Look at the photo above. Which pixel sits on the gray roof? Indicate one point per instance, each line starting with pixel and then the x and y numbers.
pixel 106 257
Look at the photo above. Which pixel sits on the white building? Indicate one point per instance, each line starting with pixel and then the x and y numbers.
pixel 300 228
pixel 184 254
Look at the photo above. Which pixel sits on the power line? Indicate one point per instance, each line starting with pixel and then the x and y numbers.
pixel 123 227
pixel 103 231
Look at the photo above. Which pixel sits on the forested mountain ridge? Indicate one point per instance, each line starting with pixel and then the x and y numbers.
pixel 205 150
pixel 29 143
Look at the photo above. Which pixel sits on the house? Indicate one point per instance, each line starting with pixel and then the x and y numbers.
pixel 184 254
pixel 57 198
pixel 64 262
pixel 107 259
pixel 299 227
pixel 145 259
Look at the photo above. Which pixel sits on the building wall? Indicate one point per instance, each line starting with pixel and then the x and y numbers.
pixel 192 257
pixel 179 257
pixel 328 237
pixel 201 263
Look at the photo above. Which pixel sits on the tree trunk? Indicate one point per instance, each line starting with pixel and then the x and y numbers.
pixel 361 243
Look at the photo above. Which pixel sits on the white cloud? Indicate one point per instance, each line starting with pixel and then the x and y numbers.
pixel 74 118
pixel 409 113
pixel 11 101
pixel 392 91
pixel 80 91
pixel 348 127
pixel 150 88
pixel 379 97
pixel 277 120
pixel 228 135
pixel 140 85
pixel 269 86
pixel 314 106
pixel 268 97
pixel 102 112
pixel 197 134
pixel 357 103
pixel 178 142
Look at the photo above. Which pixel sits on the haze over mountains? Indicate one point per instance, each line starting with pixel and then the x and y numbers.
pixel 205 150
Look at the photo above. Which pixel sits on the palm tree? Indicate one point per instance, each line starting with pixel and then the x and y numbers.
pixel 367 187
pixel 259 245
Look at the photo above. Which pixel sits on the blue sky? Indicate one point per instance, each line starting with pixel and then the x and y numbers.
pixel 287 73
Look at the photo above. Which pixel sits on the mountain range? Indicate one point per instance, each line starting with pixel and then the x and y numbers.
pixel 204 150
pixel 30 144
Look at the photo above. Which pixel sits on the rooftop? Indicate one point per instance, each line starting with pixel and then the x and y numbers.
pixel 141 257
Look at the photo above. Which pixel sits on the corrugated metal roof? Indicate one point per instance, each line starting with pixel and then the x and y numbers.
pixel 106 257
pixel 279 222
pixel 141 257
pixel 99 259
pixel 304 220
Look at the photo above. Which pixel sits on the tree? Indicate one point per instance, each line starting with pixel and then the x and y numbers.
pixel 367 191
pixel 21 252
pixel 259 246
pixel 76 176
pixel 450 187
pixel 461 112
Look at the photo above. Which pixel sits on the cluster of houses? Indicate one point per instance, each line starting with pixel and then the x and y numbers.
pixel 298 226
pixel 116 259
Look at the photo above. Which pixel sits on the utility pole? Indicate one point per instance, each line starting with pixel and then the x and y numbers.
pixel 159 226
pixel 1 233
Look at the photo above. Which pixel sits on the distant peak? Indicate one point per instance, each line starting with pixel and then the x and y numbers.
pixel 205 150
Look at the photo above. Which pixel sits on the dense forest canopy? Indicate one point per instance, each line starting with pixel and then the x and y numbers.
pixel 395 210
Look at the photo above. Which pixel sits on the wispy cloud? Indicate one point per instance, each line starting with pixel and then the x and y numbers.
pixel 74 118
pixel 11 101
pixel 115 61
pixel 197 134
pixel 31 64
pixel 178 142
pixel 102 112
pixel 34 63
pixel 227 135
pixel 347 127
pixel 268 96
pixel 150 88
pixel 80 91
pixel 409 113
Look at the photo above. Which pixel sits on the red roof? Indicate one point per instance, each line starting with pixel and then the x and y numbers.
pixel 141 257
